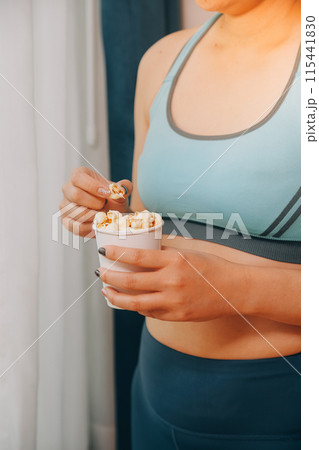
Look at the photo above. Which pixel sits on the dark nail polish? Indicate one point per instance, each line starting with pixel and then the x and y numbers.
pixel 97 273
pixel 101 251
pixel 125 188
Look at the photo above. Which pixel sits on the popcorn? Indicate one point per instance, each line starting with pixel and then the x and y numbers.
pixel 99 218
pixel 102 219
pixel 144 219
pixel 123 223
pixel 114 221
pixel 116 191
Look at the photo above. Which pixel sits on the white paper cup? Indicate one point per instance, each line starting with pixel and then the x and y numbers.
pixel 149 238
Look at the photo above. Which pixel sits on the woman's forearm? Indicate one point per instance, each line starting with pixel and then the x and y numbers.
pixel 266 292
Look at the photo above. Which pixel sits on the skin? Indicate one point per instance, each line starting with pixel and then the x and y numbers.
pixel 85 194
pixel 202 298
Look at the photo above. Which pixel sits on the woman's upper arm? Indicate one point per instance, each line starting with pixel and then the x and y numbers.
pixel 140 132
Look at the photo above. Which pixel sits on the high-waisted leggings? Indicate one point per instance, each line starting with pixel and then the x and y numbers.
pixel 183 402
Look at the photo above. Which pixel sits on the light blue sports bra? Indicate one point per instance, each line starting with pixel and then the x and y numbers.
pixel 242 189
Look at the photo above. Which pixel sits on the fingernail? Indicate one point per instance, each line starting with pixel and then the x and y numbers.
pixel 103 191
pixel 102 251
pixel 97 273
pixel 106 294
pixel 125 188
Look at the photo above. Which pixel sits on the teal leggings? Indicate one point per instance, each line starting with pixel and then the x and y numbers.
pixel 183 402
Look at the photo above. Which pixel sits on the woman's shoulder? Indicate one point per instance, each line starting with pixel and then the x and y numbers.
pixel 163 53
pixel 158 59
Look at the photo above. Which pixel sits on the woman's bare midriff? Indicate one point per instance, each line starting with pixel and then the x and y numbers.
pixel 229 337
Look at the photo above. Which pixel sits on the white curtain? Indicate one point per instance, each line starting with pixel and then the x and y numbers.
pixel 59 393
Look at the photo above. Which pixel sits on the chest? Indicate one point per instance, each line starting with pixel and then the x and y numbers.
pixel 220 93
pixel 250 176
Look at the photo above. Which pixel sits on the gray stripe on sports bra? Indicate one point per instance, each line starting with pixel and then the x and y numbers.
pixel 230 135
pixel 284 251
pixel 288 224
pixel 283 213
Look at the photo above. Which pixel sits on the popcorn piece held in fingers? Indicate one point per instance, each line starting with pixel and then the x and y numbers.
pixel 116 191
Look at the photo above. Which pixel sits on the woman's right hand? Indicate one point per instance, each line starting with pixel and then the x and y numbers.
pixel 86 193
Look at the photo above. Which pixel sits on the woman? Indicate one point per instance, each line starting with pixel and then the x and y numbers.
pixel 217 131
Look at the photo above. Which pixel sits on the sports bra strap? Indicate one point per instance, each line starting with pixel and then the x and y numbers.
pixel 188 47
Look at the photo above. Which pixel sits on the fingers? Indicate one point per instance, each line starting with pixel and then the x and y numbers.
pixel 142 302
pixel 82 214
pixel 77 219
pixel 152 304
pixel 87 188
pixel 128 185
pixel 86 182
pixel 119 203
pixel 80 197
pixel 79 222
pixel 83 229
pixel 140 281
pixel 140 257
pixel 74 211
pixel 66 207
pixel 78 228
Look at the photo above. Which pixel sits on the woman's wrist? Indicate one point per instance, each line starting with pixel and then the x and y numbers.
pixel 234 288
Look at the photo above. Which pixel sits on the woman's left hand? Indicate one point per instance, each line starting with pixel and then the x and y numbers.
pixel 180 285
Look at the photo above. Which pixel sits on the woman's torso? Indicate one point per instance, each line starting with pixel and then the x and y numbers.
pixel 227 78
